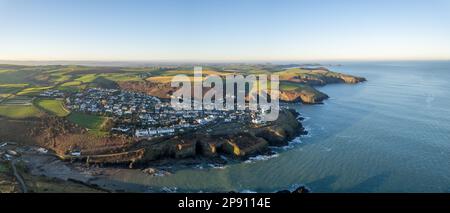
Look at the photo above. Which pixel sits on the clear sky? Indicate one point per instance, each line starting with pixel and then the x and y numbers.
pixel 224 30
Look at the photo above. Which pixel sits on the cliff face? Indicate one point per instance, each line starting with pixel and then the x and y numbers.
pixel 309 97
pixel 352 79
pixel 247 142
pixel 281 131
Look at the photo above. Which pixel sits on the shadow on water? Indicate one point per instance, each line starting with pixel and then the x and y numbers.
pixel 371 184
pixel 324 184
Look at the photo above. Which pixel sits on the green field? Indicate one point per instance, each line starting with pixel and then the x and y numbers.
pixel 53 106
pixel 18 101
pixel 34 90
pixel 13 85
pixel 8 89
pixel 86 78
pixel 72 83
pixel 289 86
pixel 59 78
pixel 13 76
pixel 71 88
pixel 19 112
pixel 121 77
pixel 93 123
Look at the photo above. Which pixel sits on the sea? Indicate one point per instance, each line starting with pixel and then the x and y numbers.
pixel 389 134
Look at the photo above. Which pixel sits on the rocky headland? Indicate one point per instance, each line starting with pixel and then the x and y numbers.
pixel 229 140
pixel 296 84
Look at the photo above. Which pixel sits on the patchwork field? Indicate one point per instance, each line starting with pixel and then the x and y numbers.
pixel 7 90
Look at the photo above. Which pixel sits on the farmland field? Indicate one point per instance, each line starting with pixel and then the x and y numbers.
pixel 72 83
pixel 8 89
pixel 288 86
pixel 19 112
pixel 120 77
pixel 34 90
pixel 18 101
pixel 53 106
pixel 92 122
pixel 86 78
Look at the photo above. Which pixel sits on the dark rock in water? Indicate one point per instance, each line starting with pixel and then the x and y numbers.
pixel 301 190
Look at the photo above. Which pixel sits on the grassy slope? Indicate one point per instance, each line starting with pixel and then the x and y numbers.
pixel 92 122
pixel 53 106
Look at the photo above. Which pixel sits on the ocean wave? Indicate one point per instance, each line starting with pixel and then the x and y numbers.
pixel 261 158
pixel 169 189
pixel 305 118
pixel 296 186
pixel 292 143
pixel 309 130
pixel 199 166
pixel 210 166
pixel 217 166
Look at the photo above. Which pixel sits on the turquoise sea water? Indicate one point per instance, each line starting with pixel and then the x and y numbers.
pixel 390 134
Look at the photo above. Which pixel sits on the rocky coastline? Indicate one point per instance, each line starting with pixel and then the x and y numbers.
pixel 241 144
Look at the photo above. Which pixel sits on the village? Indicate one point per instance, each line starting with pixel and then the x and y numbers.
pixel 145 116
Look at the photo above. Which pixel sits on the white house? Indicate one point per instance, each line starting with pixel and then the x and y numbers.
pixel 142 133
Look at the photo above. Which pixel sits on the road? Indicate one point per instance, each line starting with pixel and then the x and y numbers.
pixel 18 177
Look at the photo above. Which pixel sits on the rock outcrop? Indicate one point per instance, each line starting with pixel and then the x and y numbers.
pixel 299 190
pixel 281 131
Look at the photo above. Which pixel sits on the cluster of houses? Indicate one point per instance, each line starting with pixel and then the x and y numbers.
pixel 145 116
pixel 52 94
pixel 111 102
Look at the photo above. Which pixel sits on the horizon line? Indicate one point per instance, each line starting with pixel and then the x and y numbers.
pixel 76 61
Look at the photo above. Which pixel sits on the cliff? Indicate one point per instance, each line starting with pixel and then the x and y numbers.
pixel 249 141
pixel 281 131
pixel 297 85
pixel 308 96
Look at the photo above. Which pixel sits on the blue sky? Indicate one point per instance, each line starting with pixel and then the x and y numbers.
pixel 224 30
